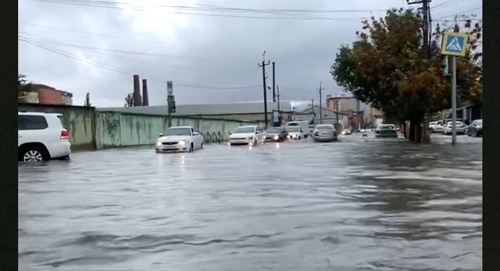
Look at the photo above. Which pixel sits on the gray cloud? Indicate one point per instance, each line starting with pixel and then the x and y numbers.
pixel 97 49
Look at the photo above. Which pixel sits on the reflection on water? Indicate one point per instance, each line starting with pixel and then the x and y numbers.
pixel 358 204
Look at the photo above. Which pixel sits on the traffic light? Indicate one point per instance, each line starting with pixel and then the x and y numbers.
pixel 172 106
pixel 445 67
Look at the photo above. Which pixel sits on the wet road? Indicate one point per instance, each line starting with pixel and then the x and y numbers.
pixel 358 204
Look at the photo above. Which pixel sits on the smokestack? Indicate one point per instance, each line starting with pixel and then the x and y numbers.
pixel 137 91
pixel 145 97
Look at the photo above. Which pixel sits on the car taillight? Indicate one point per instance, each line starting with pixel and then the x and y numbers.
pixel 64 134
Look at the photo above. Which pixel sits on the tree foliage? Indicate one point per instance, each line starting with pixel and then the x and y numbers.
pixel 385 68
pixel 129 100
pixel 469 69
pixel 24 87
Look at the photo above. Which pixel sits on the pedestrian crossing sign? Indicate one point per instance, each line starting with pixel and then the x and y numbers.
pixel 454 44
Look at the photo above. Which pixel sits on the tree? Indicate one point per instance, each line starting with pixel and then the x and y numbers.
pixel 385 68
pixel 24 87
pixel 87 100
pixel 129 100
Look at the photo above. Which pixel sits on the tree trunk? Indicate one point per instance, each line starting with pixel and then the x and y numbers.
pixel 419 135
pixel 405 133
pixel 411 135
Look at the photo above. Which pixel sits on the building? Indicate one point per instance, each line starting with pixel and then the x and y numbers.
pixel 349 106
pixel 51 95
pixel 312 115
pixel 246 111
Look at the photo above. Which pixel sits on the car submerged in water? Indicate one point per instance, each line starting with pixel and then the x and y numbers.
pixel 324 133
pixel 276 134
pixel 386 131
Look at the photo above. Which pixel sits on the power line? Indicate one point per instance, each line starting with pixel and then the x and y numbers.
pixel 68 55
pixel 460 12
pixel 135 7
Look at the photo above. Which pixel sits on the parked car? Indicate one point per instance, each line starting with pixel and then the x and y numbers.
pixel 295 132
pixel 475 128
pixel 386 131
pixel 346 132
pixel 276 134
pixel 247 135
pixel 460 128
pixel 179 139
pixel 41 137
pixel 324 133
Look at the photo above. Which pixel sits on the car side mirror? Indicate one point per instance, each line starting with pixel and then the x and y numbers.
pixel 230 133
pixel 196 133
pixel 161 134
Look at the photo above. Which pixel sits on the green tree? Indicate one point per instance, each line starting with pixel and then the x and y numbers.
pixel 129 100
pixel 385 68
pixel 24 87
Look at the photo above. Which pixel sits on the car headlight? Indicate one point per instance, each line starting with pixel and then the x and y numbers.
pixel 275 137
pixel 182 142
pixel 158 143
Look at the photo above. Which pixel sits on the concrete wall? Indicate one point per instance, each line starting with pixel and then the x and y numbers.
pixel 116 129
pixel 79 120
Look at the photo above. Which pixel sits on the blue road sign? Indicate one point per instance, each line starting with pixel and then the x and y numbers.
pixel 455 44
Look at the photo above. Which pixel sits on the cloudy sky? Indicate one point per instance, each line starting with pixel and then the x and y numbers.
pixel 210 49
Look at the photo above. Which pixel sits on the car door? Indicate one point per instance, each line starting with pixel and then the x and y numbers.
pixel 195 138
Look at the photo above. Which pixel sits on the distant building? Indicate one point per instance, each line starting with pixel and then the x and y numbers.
pixel 50 95
pixel 347 105
pixel 312 115
pixel 247 111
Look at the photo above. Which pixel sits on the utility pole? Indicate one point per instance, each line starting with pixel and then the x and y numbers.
pixel 426 47
pixel 170 102
pixel 274 82
pixel 278 95
pixel 320 89
pixel 454 92
pixel 264 78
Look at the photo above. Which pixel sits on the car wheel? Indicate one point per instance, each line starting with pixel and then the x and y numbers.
pixel 33 154
pixel 476 134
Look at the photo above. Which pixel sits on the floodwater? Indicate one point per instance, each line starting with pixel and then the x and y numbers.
pixel 357 204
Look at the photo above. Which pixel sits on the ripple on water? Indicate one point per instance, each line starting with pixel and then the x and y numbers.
pixel 354 205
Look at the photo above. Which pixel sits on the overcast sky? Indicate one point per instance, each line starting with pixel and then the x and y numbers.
pixel 208 48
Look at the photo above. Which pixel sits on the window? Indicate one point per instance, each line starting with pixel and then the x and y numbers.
pixel 178 132
pixel 27 122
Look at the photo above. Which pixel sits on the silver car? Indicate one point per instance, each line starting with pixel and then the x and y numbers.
pixel 459 126
pixel 324 133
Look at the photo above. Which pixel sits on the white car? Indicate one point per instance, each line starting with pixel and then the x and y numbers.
pixel 460 128
pixel 295 132
pixel 179 139
pixel 324 133
pixel 41 136
pixel 251 135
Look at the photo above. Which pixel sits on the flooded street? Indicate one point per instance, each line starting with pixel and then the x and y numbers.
pixel 357 204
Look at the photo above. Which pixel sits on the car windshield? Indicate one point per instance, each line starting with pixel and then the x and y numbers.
pixel 324 127
pixel 274 130
pixel 178 132
pixel 386 127
pixel 293 129
pixel 244 130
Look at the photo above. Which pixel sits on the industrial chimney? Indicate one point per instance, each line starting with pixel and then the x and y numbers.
pixel 145 97
pixel 137 91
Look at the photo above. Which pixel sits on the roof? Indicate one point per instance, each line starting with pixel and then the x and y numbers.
pixel 324 110
pixel 205 109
